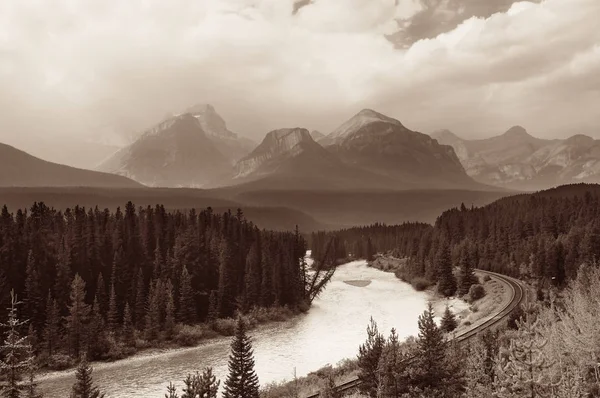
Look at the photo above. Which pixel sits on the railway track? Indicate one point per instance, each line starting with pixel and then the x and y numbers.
pixel 518 297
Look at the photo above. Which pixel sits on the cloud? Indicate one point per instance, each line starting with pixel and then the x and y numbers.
pixel 84 70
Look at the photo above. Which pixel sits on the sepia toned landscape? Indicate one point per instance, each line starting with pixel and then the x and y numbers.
pixel 300 199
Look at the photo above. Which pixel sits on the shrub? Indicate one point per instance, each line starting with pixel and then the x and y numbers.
pixel 225 326
pixel 189 336
pixel 467 323
pixel 420 283
pixel 60 362
pixel 487 278
pixel 476 292
pixel 474 308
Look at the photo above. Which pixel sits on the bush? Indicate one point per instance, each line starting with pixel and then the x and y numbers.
pixel 476 292
pixel 420 283
pixel 467 323
pixel 474 308
pixel 60 362
pixel 189 336
pixel 487 278
pixel 225 326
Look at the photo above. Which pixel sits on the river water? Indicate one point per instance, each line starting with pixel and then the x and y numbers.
pixel 332 330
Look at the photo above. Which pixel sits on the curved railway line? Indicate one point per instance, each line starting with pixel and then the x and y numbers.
pixel 518 297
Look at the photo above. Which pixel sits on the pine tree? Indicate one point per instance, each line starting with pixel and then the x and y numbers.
pixel 208 385
pixel 466 276
pixel 171 391
pixel 242 381
pixel 429 370
pixel 84 384
pixel 52 327
pixel 97 340
pixel 391 369
pixel 368 360
pixel 78 316
pixel 190 386
pixel 128 330
pixel 112 317
pixel 14 361
pixel 524 367
pixel 449 322
pixel 101 295
pixel 169 325
pixel 213 307
pixel 139 309
pixel 152 327
pixel 443 263
pixel 187 304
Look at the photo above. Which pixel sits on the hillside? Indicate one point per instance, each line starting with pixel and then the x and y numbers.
pixel 19 169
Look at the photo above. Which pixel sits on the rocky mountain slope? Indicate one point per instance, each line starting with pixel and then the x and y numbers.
pixel 384 147
pixel 193 149
pixel 518 160
pixel 19 169
pixel 175 153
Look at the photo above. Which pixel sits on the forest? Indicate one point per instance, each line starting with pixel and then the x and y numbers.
pixel 544 237
pixel 98 283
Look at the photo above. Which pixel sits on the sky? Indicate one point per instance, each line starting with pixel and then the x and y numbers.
pixel 102 71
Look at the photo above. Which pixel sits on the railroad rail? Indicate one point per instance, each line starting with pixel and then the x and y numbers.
pixel 517 298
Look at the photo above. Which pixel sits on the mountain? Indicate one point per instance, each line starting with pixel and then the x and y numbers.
pixel 175 153
pixel 19 169
pixel 518 160
pixel 232 146
pixel 384 147
pixel 290 158
pixel 317 135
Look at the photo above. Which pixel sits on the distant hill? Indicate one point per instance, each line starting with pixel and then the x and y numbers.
pixel 518 160
pixel 19 169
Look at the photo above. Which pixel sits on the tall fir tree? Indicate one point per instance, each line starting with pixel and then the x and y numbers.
pixel 466 275
pixel 187 302
pixel 208 385
pixel 128 329
pixel 52 326
pixel 112 317
pixel 78 317
pixel 443 262
pixel 97 342
pixel 391 370
pixel 242 380
pixel 169 324
pixel 449 322
pixel 369 355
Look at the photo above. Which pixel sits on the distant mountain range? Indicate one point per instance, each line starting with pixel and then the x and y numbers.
pixel 518 160
pixel 188 150
pixel 19 169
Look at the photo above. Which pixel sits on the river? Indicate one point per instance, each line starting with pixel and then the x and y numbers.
pixel 332 330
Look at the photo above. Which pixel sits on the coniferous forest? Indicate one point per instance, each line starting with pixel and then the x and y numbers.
pixel 92 280
pixel 544 236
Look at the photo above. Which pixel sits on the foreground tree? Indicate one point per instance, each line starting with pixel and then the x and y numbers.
pixel 242 381
pixel 78 316
pixel 392 367
pixel 369 355
pixel 14 361
pixel 84 384
pixel 449 322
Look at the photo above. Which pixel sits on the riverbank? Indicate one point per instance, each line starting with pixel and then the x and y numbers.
pixel 469 315
pixel 185 336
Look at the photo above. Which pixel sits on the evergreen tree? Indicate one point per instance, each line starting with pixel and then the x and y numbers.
pixel 97 344
pixel 112 317
pixel 190 386
pixel 242 381
pixel 101 295
pixel 368 360
pixel 187 302
pixel 84 384
pixel 391 369
pixel 31 388
pixel 523 370
pixel 208 385
pixel 169 325
pixel 128 330
pixel 466 275
pixel 14 361
pixel 443 263
pixel 213 307
pixel 139 310
pixel 430 369
pixel 449 322
pixel 153 312
pixel 171 391
pixel 52 327
pixel 78 317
